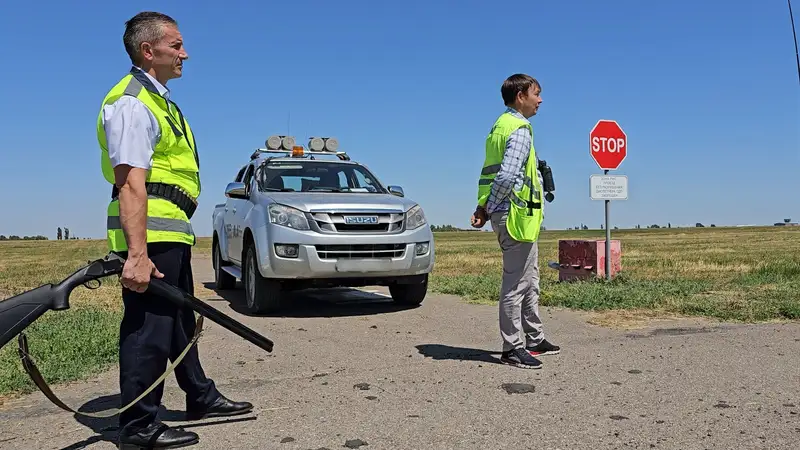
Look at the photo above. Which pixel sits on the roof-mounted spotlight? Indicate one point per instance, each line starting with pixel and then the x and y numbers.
pixel 278 142
pixel 288 142
pixel 273 142
pixel 316 144
pixel 331 144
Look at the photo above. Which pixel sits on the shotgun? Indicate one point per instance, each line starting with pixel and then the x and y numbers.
pixel 20 311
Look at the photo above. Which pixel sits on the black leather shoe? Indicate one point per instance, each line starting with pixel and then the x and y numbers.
pixel 156 436
pixel 221 407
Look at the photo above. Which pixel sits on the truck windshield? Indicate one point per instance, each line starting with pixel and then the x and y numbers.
pixel 317 176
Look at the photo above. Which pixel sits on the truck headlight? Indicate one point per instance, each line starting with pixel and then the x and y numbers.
pixel 288 217
pixel 415 218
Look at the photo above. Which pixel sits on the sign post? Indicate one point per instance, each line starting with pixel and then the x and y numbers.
pixel 608 146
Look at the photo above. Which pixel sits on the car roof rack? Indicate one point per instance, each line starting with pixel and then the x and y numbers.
pixel 286 145
pixel 299 152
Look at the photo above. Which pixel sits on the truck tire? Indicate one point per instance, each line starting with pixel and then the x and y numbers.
pixel 222 280
pixel 262 295
pixel 409 294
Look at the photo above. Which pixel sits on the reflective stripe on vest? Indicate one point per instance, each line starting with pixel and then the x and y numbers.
pixel 175 161
pixel 154 223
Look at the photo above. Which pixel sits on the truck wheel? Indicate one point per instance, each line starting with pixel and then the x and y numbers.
pixel 223 280
pixel 261 294
pixel 409 294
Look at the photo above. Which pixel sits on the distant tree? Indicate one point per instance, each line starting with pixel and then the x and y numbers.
pixel 444 228
pixel 712 225
pixel 669 224
pixel 699 225
pixel 14 237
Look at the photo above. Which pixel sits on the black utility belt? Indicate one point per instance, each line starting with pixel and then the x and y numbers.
pixel 168 192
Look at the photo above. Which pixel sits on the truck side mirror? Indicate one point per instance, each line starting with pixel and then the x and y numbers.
pixel 235 190
pixel 397 190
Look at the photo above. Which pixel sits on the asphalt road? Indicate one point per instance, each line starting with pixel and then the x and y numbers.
pixel 350 370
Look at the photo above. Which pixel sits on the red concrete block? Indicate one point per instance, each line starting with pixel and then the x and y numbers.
pixel 586 259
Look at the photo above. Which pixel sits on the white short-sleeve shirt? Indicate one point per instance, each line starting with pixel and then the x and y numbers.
pixel 131 129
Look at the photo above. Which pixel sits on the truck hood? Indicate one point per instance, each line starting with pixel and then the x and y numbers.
pixel 349 201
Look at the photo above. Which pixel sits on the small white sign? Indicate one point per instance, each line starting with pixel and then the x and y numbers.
pixel 608 187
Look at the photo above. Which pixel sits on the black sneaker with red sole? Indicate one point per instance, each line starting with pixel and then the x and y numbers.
pixel 520 358
pixel 543 348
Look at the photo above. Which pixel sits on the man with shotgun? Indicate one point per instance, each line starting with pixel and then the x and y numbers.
pixel 149 156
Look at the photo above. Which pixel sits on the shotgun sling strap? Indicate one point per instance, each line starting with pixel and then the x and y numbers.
pixel 36 376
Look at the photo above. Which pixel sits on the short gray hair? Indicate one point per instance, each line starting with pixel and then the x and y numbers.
pixel 147 26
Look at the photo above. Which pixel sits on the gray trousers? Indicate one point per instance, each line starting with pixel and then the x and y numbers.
pixel 519 292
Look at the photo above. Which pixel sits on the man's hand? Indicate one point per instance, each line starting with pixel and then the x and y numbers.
pixel 136 273
pixel 479 217
pixel 138 267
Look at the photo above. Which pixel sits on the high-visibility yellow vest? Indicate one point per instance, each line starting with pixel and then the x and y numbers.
pixel 175 163
pixel 525 213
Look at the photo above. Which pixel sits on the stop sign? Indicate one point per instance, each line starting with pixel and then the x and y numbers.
pixel 608 144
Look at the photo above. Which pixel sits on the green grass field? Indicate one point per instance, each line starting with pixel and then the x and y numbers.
pixel 746 274
pixel 742 274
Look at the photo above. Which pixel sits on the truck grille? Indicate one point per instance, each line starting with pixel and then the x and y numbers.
pixel 364 223
pixel 359 251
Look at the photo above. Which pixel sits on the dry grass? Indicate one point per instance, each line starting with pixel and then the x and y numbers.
pixel 25 265
pixel 748 274
pixel 629 319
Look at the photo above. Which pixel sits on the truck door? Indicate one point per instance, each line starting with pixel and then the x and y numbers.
pixel 235 218
pixel 228 222
pixel 230 229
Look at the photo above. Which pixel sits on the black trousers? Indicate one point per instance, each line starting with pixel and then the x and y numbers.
pixel 154 330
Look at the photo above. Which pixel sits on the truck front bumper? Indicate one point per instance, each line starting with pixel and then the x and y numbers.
pixel 287 253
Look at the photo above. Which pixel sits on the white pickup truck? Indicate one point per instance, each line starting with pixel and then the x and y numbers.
pixel 294 219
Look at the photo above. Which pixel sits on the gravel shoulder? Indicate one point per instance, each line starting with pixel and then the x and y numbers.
pixel 351 370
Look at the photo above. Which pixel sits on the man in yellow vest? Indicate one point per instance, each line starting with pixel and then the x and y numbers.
pixel 510 195
pixel 149 155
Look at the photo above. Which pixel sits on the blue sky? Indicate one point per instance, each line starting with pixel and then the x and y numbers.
pixel 706 91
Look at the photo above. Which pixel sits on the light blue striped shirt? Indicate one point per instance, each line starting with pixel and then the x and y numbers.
pixel 131 129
